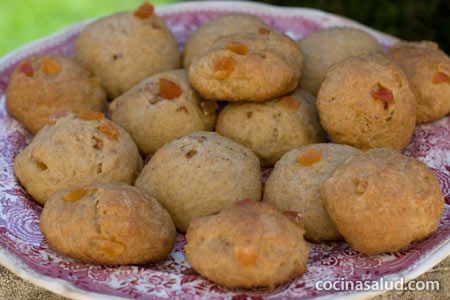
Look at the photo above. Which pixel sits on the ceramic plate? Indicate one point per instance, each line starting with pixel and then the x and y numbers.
pixel 24 250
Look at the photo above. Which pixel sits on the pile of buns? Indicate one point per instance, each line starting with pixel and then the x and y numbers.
pixel 271 102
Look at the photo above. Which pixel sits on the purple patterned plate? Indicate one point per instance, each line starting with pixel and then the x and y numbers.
pixel 24 251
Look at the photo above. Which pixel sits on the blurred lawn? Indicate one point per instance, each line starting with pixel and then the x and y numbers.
pixel 22 21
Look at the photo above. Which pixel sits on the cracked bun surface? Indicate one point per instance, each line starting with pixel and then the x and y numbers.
pixel 199 174
pixel 108 223
pixel 75 152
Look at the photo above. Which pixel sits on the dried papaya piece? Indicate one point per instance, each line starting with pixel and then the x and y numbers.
pixel 27 69
pixel 295 217
pixel 237 47
pixel 226 65
pixel 309 156
pixel 51 66
pixel 144 11
pixel 110 247
pixel 169 89
pixel 89 115
pixel 440 77
pixel 246 255
pixel 109 130
pixel 382 93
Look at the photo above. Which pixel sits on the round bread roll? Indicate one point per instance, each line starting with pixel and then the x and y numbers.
pixel 381 201
pixel 228 24
pixel 366 102
pixel 247 246
pixel 428 71
pixel 125 48
pixel 162 108
pixel 108 223
pixel 296 183
pixel 44 84
pixel 325 47
pixel 75 152
pixel 199 174
pixel 251 66
pixel 274 127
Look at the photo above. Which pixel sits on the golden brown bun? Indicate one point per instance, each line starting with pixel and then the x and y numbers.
pixel 296 187
pixel 421 61
pixel 199 174
pixel 325 47
pixel 247 246
pixel 75 152
pixel 274 127
pixel 271 68
pixel 34 99
pixel 381 201
pixel 205 35
pixel 352 115
pixel 154 121
pixel 114 224
pixel 123 49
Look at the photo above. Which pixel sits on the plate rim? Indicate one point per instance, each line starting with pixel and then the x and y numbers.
pixel 65 288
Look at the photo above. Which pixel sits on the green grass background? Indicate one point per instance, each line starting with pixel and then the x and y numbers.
pixel 22 21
